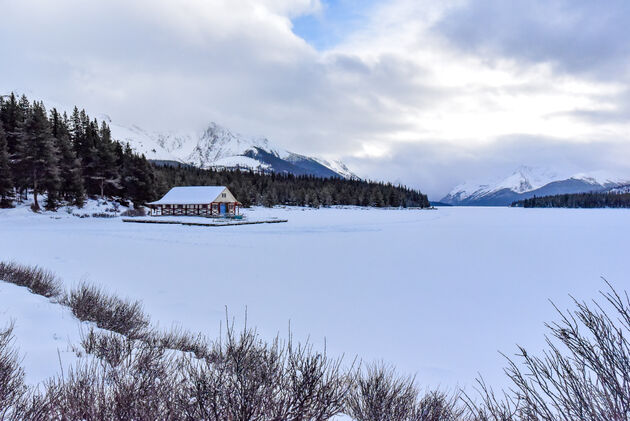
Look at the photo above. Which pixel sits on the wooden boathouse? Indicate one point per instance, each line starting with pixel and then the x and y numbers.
pixel 196 201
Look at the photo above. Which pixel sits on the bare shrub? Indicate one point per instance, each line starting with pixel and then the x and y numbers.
pixel 248 380
pixel 142 385
pixel 182 340
pixel 112 348
pixel 314 386
pixel 135 212
pixel 583 375
pixel 379 394
pixel 104 215
pixel 238 384
pixel 90 303
pixel 438 406
pixel 13 391
pixel 491 407
pixel 254 380
pixel 36 279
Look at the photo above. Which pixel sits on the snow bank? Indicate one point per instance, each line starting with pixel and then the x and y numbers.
pixel 44 331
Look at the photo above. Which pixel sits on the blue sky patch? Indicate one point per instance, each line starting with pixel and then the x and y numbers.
pixel 337 19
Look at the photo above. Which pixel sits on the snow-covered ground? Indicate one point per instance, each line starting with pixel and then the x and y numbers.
pixel 434 292
pixel 44 331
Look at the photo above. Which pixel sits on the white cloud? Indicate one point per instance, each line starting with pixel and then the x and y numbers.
pixel 399 83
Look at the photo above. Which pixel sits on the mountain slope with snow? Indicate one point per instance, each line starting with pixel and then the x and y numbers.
pixel 218 147
pixel 527 182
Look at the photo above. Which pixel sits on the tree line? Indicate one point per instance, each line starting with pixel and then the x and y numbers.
pixel 253 188
pixel 70 158
pixel 577 200
pixel 67 158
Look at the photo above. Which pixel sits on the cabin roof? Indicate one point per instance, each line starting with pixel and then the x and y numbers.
pixel 190 195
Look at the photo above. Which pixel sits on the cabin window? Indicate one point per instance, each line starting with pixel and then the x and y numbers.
pixel 223 195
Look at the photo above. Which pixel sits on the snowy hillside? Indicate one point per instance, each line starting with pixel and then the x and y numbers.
pixel 527 182
pixel 620 189
pixel 218 147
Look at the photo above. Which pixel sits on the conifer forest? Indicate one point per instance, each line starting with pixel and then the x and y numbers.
pixel 63 159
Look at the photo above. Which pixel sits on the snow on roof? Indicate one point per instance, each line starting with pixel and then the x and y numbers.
pixel 190 195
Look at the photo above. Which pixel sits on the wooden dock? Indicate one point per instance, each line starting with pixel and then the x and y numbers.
pixel 204 224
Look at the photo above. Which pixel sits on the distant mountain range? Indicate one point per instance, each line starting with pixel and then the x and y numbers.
pixel 528 182
pixel 218 147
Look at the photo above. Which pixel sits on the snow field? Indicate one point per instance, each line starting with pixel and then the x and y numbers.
pixel 435 292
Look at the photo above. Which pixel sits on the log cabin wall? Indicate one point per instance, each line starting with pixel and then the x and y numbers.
pixel 195 210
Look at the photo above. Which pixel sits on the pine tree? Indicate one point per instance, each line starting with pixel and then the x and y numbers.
pixel 6 183
pixel 39 156
pixel 12 115
pixel 105 170
pixel 138 178
pixel 71 188
pixel 11 118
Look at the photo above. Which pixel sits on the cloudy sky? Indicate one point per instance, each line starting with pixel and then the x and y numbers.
pixel 428 93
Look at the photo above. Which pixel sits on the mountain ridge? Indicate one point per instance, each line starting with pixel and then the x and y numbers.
pixel 218 147
pixel 526 182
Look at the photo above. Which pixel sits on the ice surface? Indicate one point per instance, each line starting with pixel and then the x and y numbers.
pixel 435 292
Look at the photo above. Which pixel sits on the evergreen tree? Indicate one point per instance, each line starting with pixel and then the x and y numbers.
pixel 138 178
pixel 579 200
pixel 39 157
pixel 6 183
pixel 105 170
pixel 12 114
pixel 11 118
pixel 71 187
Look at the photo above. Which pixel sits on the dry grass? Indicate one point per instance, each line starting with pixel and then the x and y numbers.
pixel 37 280
pixel 92 304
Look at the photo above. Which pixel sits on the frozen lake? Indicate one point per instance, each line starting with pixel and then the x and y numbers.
pixel 435 292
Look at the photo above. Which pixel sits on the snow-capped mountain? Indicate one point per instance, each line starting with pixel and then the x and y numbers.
pixel 625 189
pixel 527 182
pixel 218 147
pixel 522 180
